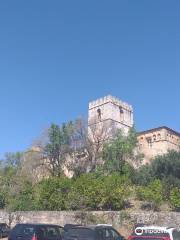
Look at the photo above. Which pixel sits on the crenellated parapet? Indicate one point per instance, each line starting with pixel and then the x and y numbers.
pixel 110 99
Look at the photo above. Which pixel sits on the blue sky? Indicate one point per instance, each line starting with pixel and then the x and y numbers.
pixel 56 56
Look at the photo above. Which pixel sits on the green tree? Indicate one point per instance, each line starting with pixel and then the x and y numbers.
pixel 153 193
pixel 12 159
pixel 51 194
pixel 98 192
pixel 115 191
pixel 10 182
pixel 119 150
pixel 143 175
pixel 22 200
pixel 175 198
pixel 57 148
pixel 85 192
pixel 165 168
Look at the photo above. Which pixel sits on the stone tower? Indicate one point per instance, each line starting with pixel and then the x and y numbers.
pixel 111 113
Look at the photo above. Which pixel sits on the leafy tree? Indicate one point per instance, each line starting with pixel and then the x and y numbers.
pixel 51 194
pixel 88 143
pixel 165 168
pixel 119 150
pixel 12 159
pixel 23 200
pixel 115 192
pixel 32 165
pixel 2 200
pixel 143 175
pixel 167 165
pixel 85 192
pixel 12 182
pixel 97 192
pixel 58 147
pixel 175 198
pixel 153 193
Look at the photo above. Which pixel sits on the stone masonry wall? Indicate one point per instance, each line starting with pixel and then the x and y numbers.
pixel 121 220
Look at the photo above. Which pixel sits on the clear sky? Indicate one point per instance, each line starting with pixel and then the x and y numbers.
pixel 56 56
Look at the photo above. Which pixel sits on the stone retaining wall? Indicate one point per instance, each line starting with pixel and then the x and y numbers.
pixel 122 220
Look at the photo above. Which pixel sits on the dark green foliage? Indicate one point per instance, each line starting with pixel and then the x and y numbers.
pixel 117 151
pixel 51 194
pixel 2 200
pixel 85 192
pixel 58 147
pixel 175 198
pixel 106 187
pixel 12 159
pixel 23 200
pixel 94 192
pixel 153 193
pixel 88 192
pixel 143 175
pixel 165 168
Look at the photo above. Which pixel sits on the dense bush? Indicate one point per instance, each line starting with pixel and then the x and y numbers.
pixel 51 194
pixel 106 187
pixel 89 191
pixel 165 168
pixel 23 200
pixel 153 193
pixel 104 192
pixel 175 198
pixel 2 200
pixel 115 191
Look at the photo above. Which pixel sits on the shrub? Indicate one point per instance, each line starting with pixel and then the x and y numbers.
pixel 175 198
pixel 85 192
pixel 2 200
pixel 94 192
pixel 51 194
pixel 23 200
pixel 152 193
pixel 115 191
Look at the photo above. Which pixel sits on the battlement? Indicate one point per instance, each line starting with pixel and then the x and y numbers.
pixel 111 99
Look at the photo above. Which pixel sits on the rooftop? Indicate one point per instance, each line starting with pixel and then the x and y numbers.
pixel 158 129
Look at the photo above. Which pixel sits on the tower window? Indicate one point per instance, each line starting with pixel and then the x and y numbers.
pixel 121 110
pixel 121 114
pixel 99 113
pixel 159 136
pixel 149 141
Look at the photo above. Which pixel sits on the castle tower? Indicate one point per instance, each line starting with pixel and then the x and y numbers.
pixel 111 113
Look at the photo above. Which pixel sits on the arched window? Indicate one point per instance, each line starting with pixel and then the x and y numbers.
pixel 121 113
pixel 121 110
pixel 99 113
pixel 149 141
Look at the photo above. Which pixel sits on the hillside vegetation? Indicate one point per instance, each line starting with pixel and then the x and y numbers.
pixel 104 174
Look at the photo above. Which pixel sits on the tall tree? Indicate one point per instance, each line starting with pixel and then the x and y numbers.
pixel 12 159
pixel 57 148
pixel 87 145
pixel 119 150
